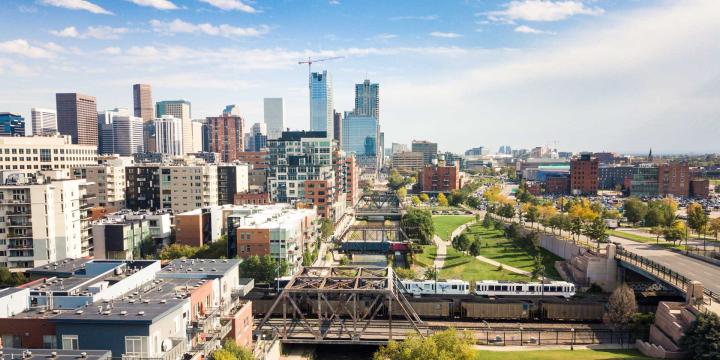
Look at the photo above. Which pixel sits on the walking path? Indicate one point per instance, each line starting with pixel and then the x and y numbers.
pixel 504 266
pixel 441 252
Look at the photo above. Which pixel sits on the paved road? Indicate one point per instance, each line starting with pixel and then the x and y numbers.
pixel 689 267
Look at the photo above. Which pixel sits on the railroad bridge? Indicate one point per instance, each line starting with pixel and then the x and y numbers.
pixel 346 302
pixel 379 205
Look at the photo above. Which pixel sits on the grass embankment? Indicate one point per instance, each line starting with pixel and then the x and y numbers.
pixel 497 247
pixel 460 266
pixel 445 224
pixel 645 239
pixel 560 355
pixel 427 257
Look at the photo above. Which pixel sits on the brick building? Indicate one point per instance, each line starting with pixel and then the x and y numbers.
pixel 227 136
pixel 584 175
pixel 674 179
pixel 440 178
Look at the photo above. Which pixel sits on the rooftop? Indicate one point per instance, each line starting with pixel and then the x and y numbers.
pixel 8 353
pixel 198 268
pixel 63 268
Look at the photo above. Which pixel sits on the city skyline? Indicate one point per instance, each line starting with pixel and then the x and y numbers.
pixel 502 72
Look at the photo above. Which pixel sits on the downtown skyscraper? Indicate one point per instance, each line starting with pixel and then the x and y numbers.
pixel 321 103
pixel 367 99
pixel 77 117
pixel 274 114
pixel 179 109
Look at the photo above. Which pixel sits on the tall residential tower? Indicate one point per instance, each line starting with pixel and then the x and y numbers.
pixel 321 103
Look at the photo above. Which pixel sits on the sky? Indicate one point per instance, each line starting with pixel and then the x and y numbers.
pixel 579 75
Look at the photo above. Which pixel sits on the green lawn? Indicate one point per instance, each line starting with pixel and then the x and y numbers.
pixel 427 257
pixel 560 355
pixel 497 247
pixel 645 239
pixel 465 267
pixel 445 224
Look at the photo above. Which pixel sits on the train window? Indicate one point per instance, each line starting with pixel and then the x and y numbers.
pixel 454 287
pixel 504 288
pixel 531 289
pixel 518 288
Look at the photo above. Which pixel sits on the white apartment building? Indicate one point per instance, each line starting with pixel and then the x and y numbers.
pixel 169 137
pixel 107 182
pixel 34 153
pixel 197 135
pixel 120 133
pixel 179 109
pixel 188 187
pixel 42 220
pixel 44 121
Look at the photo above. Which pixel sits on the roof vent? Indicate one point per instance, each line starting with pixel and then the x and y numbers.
pixel 56 311
pixel 79 312
pixel 123 313
pixel 163 301
pixel 106 312
pixel 146 301
pixel 141 313
pixel 213 269
pixel 83 355
pixel 53 354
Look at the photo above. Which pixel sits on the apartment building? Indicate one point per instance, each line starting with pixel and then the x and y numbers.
pixel 122 239
pixel 107 181
pixel 33 153
pixel 46 218
pixel 584 175
pixel 282 231
pixel 177 187
pixel 159 222
pixel 199 227
pixel 232 179
pixel 440 178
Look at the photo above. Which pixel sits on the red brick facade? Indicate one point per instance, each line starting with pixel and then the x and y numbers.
pixel 227 136
pixel 674 179
pixel 320 194
pixel 437 178
pixel 584 175
pixel 252 199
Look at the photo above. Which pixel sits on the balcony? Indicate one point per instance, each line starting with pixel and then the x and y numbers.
pixel 177 351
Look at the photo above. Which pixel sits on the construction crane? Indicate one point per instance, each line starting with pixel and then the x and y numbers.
pixel 310 61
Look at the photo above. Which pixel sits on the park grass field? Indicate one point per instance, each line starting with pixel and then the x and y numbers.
pixel 465 267
pixel 560 355
pixel 645 239
pixel 445 224
pixel 427 257
pixel 497 247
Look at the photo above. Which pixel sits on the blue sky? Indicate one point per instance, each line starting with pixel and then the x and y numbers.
pixel 620 75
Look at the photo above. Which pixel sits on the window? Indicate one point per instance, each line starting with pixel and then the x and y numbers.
pixel 70 342
pixel 136 345
pixel 49 342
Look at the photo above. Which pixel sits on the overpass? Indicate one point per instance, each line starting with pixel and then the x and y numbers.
pixel 379 205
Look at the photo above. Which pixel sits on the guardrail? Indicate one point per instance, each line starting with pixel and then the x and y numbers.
pixel 661 272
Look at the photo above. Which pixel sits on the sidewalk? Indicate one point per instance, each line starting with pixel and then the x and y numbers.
pixel 441 252
pixel 554 347
pixel 505 267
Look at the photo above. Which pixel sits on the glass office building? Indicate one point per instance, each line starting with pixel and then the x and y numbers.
pixel 360 137
pixel 321 103
pixel 11 124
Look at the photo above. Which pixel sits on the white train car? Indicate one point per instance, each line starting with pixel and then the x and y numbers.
pixel 444 287
pixel 504 288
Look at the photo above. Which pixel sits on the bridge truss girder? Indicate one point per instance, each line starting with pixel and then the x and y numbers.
pixel 340 312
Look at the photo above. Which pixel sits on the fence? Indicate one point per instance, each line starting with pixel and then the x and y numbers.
pixel 538 337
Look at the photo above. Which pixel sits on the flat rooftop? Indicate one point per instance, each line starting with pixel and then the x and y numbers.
pixel 61 268
pixel 9 353
pixel 198 268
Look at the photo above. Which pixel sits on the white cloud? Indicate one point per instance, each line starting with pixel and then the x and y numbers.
pixel 178 26
pixel 94 32
pixel 447 35
pixel 27 9
pixel 231 5
pixel 158 4
pixel 542 10
pixel 529 30
pixel 334 2
pixel 112 50
pixel 22 47
pixel 414 17
pixel 77 5
pixel 384 37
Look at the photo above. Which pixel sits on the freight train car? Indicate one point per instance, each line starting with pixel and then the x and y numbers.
pixel 573 311
pixel 496 310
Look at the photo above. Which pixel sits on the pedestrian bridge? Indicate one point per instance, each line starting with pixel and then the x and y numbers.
pixel 379 205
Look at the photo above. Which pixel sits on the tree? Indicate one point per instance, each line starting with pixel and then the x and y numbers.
pixel 445 345
pixel 576 227
pixel 538 269
pixel 8 278
pixel 417 223
pixel 263 269
pixel 675 232
pixel 475 248
pixel 621 307
pixel 597 231
pixel 415 200
pixel 327 228
pixel 658 231
pixel 507 211
pixel 442 200
pixel 462 242
pixel 487 221
pixel 714 227
pixel 430 273
pixel 401 193
pixel 696 217
pixel 702 339
pixel 236 351
pixel 634 210
pixel 177 251
pixel 532 215
pixel 424 197
pixel 222 354
pixel 395 180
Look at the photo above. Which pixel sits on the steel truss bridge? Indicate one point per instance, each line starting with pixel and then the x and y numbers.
pixel 376 233
pixel 346 301
pixel 379 204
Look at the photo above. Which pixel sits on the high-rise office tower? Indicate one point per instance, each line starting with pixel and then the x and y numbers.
pixel 120 133
pixel 169 136
pixel 360 137
pixel 142 102
pixel 367 99
pixel 227 135
pixel 77 117
pixel 197 135
pixel 181 110
pixel 337 127
pixel 11 124
pixel 44 121
pixel 258 137
pixel 321 103
pixel 428 149
pixel 274 116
